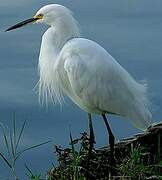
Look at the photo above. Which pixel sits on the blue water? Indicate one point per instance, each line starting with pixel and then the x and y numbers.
pixel 130 30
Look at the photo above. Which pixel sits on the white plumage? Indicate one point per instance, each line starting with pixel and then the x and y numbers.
pixel 86 72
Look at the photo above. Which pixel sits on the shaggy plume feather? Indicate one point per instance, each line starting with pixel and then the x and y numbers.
pixel 63 28
pixel 49 90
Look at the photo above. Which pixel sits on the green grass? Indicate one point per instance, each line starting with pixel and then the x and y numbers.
pixel 11 141
pixel 72 161
pixel 133 165
pixel 31 175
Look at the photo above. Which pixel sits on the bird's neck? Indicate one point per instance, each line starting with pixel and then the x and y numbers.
pixel 63 31
pixel 52 42
pixel 56 37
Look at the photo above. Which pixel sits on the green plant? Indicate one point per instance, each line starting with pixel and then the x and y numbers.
pixel 75 159
pixel 70 160
pixel 12 138
pixel 157 169
pixel 133 165
pixel 31 175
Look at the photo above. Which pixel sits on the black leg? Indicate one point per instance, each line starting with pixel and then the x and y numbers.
pixel 91 143
pixel 111 143
pixel 92 137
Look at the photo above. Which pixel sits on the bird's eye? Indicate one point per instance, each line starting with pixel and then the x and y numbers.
pixel 39 16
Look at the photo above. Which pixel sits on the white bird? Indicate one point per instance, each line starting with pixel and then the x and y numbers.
pixel 85 71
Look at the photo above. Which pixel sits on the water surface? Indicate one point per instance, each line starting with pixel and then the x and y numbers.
pixel 130 30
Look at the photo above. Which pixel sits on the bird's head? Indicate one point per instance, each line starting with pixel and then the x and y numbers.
pixel 48 14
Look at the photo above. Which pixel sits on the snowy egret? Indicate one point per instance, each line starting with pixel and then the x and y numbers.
pixel 85 72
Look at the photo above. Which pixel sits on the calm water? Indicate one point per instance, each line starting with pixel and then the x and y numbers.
pixel 130 30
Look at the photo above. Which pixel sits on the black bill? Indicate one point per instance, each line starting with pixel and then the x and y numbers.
pixel 23 23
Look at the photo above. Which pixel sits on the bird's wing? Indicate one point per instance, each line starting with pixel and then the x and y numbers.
pixel 104 86
pixel 95 81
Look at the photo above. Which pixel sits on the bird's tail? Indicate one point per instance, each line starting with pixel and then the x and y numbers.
pixel 138 110
pixel 140 116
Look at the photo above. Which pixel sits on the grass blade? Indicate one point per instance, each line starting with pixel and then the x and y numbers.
pixel 19 137
pixel 6 143
pixel 30 148
pixel 14 131
pixel 7 162
pixel 5 137
pixel 72 144
pixel 11 143
pixel 31 174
